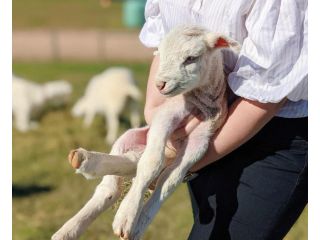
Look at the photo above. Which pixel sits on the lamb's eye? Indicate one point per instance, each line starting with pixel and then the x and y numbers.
pixel 190 59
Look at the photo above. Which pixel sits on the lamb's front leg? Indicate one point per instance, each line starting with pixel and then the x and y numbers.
pixel 22 118
pixel 173 175
pixel 149 167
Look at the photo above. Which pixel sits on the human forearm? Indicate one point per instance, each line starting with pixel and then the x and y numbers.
pixel 153 98
pixel 244 120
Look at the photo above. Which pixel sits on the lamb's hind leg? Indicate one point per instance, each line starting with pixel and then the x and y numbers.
pixel 106 193
pixel 120 161
pixel 97 164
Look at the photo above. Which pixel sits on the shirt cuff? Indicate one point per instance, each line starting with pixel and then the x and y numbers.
pixel 152 32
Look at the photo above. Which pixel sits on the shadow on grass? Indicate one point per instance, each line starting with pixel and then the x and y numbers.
pixel 25 191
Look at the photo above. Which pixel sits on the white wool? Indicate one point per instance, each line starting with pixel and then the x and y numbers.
pixel 29 98
pixel 108 93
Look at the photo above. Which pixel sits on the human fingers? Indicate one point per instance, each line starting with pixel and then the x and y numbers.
pixel 185 130
pixel 194 113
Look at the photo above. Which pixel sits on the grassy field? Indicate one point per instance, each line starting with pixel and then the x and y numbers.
pixel 75 14
pixel 46 192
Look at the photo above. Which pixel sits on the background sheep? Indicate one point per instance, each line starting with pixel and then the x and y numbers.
pixel 191 74
pixel 107 94
pixel 29 99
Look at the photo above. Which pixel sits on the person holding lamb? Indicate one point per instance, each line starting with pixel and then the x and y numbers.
pixel 252 181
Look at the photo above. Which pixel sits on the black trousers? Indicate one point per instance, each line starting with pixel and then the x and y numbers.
pixel 256 192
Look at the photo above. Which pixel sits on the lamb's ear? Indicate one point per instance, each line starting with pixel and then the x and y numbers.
pixel 216 41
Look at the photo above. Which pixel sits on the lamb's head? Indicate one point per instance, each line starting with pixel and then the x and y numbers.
pixel 57 92
pixel 190 57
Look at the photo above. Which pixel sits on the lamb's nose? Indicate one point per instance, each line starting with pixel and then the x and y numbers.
pixel 160 85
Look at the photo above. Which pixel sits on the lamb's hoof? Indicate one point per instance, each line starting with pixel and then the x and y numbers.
pixel 76 157
pixel 121 230
pixel 123 223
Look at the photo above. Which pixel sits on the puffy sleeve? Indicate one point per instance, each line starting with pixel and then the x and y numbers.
pixel 152 31
pixel 273 60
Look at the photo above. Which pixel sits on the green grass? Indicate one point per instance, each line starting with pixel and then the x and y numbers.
pixel 46 190
pixel 75 14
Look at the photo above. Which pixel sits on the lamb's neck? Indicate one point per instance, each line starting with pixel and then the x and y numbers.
pixel 208 98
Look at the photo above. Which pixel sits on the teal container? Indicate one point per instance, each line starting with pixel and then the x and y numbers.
pixel 133 13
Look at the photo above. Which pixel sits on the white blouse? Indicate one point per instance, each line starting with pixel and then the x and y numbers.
pixel 273 60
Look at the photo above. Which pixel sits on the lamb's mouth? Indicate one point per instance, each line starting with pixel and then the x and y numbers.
pixel 172 91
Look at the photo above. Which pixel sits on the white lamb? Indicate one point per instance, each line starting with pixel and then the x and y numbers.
pixel 29 98
pixel 107 94
pixel 191 76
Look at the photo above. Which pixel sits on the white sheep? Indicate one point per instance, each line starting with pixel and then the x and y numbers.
pixel 108 93
pixel 191 76
pixel 29 99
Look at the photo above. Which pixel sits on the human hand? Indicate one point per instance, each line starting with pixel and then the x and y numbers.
pixel 187 126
